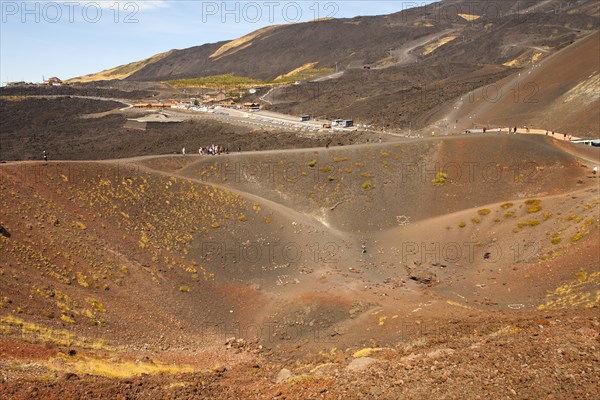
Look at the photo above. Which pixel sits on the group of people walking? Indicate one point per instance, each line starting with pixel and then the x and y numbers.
pixel 213 150
pixel 568 137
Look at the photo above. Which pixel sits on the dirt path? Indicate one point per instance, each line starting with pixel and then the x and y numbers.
pixel 563 144
pixel 264 96
pixel 277 207
pixel 403 55
pixel 532 7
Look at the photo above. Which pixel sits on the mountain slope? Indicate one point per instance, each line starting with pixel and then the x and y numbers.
pixel 282 49
pixel 560 94
pixel 480 33
pixel 419 59
pixel 122 71
pixel 461 62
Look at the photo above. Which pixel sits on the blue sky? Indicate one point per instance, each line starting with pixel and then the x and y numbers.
pixel 72 37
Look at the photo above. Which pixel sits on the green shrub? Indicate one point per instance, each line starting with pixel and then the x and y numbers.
pixel 440 179
pixel 578 236
pixel 531 222
pixel 533 206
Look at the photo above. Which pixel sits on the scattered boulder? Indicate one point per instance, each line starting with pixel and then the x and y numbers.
pixel 408 360
pixel 239 345
pixel 423 274
pixel 360 364
pixel 440 353
pixel 4 232
pixel 220 370
pixel 422 277
pixel 235 343
pixel 358 307
pixel 284 375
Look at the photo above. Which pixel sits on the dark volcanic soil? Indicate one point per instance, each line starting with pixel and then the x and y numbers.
pixel 30 126
pixel 80 90
pixel 129 278
pixel 352 43
pixel 242 277
pixel 396 97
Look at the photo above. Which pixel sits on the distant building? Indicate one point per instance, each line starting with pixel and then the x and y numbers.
pixel 54 81
pixel 251 107
pixel 344 123
pixel 229 103
pixel 304 118
pixel 215 96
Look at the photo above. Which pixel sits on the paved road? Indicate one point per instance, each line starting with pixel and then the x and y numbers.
pixel 263 118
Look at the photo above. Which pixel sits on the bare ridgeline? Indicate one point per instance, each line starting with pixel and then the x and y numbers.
pixel 425 251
